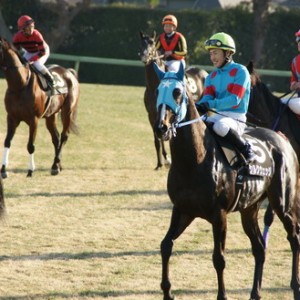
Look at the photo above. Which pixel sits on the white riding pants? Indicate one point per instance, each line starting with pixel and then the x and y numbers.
pixel 39 64
pixel 174 65
pixel 225 121
pixel 293 104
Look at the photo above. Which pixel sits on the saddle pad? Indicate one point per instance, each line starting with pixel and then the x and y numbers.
pixel 262 166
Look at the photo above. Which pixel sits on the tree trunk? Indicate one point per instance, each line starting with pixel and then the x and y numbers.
pixel 260 10
pixel 4 30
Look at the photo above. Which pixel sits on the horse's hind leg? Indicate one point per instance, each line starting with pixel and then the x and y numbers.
pixel 293 235
pixel 51 126
pixel 286 203
pixel 178 224
pixel 268 220
pixel 251 228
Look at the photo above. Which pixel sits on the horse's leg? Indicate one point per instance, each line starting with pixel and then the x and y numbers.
pixel 165 154
pixel 30 145
pixel 219 224
pixel 178 224
pixel 268 220
pixel 51 126
pixel 251 228
pixel 158 145
pixel 291 226
pixel 11 129
pixel 282 195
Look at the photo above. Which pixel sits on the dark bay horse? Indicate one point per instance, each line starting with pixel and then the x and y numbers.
pixel 195 79
pixel 201 183
pixel 266 110
pixel 26 101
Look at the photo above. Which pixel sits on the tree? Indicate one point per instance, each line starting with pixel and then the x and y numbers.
pixel 66 12
pixel 260 11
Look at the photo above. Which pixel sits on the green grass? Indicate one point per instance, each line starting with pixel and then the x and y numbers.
pixel 94 231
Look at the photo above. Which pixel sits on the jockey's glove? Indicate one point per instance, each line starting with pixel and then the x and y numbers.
pixel 202 108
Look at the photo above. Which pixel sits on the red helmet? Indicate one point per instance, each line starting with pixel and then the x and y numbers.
pixel 170 19
pixel 24 21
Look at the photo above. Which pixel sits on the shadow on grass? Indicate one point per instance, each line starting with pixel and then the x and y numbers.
pixel 80 195
pixel 90 255
pixel 157 293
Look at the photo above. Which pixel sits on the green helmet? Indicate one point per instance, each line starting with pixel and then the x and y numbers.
pixel 220 40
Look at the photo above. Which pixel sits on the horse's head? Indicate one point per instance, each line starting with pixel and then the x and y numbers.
pixel 9 56
pixel 148 52
pixel 253 74
pixel 171 102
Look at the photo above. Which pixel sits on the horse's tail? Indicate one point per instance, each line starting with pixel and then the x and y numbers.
pixel 74 72
pixel 73 124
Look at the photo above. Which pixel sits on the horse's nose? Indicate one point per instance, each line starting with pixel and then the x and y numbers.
pixel 160 129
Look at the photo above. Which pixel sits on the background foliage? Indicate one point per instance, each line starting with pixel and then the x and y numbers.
pixel 113 32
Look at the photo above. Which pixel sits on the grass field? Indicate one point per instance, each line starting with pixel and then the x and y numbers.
pixel 94 231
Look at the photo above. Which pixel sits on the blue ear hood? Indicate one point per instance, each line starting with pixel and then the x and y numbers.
pixel 160 74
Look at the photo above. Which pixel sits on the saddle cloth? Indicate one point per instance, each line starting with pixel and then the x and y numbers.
pixel 261 166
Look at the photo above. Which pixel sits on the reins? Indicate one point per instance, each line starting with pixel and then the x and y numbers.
pixel 282 108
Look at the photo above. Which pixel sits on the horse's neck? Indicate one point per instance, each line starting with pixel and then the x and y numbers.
pixel 194 140
pixel 16 73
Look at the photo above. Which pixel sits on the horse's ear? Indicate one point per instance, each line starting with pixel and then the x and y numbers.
pixel 160 74
pixel 142 35
pixel 250 67
pixel 154 34
pixel 180 73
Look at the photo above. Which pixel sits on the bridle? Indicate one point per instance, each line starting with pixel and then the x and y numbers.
pixel 149 54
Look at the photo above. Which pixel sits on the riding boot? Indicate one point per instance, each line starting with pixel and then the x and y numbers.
pixel 244 147
pixel 49 78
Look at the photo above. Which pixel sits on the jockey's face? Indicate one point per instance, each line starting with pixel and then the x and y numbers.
pixel 169 28
pixel 217 57
pixel 28 30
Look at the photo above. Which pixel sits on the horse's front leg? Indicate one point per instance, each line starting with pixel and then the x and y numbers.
pixel 30 145
pixel 11 129
pixel 51 126
pixel 251 228
pixel 219 224
pixel 178 224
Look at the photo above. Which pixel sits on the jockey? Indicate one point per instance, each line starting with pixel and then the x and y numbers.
pixel 294 103
pixel 227 92
pixel 36 50
pixel 172 44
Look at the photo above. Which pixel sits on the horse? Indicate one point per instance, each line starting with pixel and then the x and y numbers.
pixel 202 183
pixel 26 100
pixel 194 77
pixel 266 110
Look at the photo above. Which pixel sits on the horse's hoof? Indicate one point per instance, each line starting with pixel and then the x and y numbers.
pixel 55 172
pixel 4 175
pixel 29 173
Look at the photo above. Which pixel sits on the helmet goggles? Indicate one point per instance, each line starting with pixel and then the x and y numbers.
pixel 217 44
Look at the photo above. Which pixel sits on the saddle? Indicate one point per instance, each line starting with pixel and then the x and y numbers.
pixel 261 167
pixel 60 88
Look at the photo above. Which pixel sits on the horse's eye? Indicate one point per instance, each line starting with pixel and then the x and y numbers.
pixel 176 93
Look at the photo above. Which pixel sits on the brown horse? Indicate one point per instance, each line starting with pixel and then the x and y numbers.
pixel 195 81
pixel 202 183
pixel 266 110
pixel 26 100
